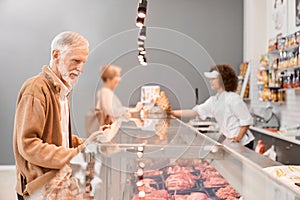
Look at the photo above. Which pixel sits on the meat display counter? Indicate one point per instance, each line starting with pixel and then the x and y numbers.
pixel 164 158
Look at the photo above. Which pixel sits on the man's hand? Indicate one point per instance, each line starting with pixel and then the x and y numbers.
pixel 95 134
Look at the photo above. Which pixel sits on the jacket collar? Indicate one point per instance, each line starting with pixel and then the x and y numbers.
pixel 59 86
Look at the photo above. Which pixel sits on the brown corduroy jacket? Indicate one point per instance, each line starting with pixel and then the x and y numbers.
pixel 37 134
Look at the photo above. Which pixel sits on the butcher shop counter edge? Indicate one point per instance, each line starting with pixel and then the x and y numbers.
pixel 278 135
pixel 241 152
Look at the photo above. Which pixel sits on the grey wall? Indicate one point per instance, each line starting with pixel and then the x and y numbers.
pixel 184 38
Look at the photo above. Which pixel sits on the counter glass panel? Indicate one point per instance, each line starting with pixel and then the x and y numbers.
pixel 146 150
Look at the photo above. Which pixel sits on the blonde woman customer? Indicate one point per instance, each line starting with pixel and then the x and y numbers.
pixel 107 100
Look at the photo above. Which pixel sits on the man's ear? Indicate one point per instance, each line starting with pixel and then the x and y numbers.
pixel 55 56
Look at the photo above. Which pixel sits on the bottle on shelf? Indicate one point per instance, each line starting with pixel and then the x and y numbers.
pixel 287 80
pixel 297 36
pixel 281 79
pixel 270 80
pixel 281 96
pixel 296 82
pixel 298 56
pixel 291 79
pixel 280 43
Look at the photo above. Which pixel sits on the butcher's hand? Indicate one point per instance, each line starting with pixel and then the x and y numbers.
pixel 139 106
pixel 95 134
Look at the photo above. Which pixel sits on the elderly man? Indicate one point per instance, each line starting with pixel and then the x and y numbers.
pixel 43 142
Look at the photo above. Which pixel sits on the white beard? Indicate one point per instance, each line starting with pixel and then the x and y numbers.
pixel 66 75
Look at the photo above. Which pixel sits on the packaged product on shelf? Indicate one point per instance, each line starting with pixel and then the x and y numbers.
pixel 286 80
pixel 297 78
pixel 274 96
pixel 274 63
pixel 280 63
pixel 286 46
pixel 260 76
pixel 272 44
pixel 291 40
pixel 281 43
pixel 298 58
pixel 265 78
pixel 281 79
pixel 272 81
pixel 266 94
pixel 264 61
pixel 293 59
pixel 285 62
pixel 297 35
pixel 291 83
pixel 281 96
pixel 289 80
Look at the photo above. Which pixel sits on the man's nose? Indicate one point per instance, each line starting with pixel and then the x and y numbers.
pixel 80 67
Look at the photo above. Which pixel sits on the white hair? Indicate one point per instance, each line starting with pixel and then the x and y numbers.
pixel 66 40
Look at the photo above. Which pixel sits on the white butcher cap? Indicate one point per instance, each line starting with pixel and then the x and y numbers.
pixel 212 74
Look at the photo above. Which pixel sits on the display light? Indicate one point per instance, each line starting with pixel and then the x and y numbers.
pixel 140 172
pixel 139 183
pixel 141 48
pixel 142 33
pixel 144 62
pixel 142 194
pixel 140 41
pixel 140 148
pixel 142 165
pixel 142 9
pixel 143 52
pixel 140 57
pixel 140 22
pixel 140 154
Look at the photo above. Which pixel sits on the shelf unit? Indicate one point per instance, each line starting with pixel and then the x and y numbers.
pixel 288 69
pixel 280 51
pixel 285 89
pixel 281 71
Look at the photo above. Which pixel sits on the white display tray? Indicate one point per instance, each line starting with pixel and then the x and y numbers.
pixel 287 174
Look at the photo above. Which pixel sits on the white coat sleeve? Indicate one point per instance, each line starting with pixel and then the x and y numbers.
pixel 204 110
pixel 240 110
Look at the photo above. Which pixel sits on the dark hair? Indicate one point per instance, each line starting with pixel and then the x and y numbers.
pixel 228 76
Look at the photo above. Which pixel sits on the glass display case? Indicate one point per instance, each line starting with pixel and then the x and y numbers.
pixel 164 158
